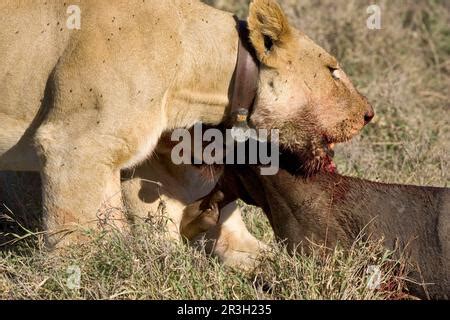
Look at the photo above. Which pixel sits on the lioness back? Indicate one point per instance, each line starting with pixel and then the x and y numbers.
pixel 113 43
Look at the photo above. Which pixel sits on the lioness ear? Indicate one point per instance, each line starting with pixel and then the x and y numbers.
pixel 269 29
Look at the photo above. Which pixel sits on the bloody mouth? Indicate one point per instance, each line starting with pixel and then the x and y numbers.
pixel 304 164
pixel 329 166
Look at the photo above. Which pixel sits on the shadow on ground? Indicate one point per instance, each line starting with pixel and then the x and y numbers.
pixel 20 206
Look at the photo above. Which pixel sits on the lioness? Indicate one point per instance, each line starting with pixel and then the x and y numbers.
pixel 81 105
pixel 330 208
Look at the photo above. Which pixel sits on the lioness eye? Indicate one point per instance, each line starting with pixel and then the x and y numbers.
pixel 334 72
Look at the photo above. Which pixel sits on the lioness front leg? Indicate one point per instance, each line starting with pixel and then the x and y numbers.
pixel 80 170
pixel 80 191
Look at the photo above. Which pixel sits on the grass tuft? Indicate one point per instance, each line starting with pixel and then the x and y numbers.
pixel 149 266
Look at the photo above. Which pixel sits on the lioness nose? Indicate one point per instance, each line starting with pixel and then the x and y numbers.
pixel 368 116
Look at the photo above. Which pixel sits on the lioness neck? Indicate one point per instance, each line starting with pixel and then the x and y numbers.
pixel 201 89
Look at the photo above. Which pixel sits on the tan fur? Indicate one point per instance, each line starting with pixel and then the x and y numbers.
pixel 268 20
pixel 81 105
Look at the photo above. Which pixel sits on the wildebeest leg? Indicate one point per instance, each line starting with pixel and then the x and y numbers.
pixel 202 216
pixel 231 241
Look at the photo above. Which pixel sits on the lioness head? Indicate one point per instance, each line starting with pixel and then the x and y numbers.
pixel 303 92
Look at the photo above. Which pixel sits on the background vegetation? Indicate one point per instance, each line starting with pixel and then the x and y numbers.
pixel 404 69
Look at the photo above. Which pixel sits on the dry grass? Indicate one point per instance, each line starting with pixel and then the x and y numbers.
pixel 404 69
pixel 147 266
